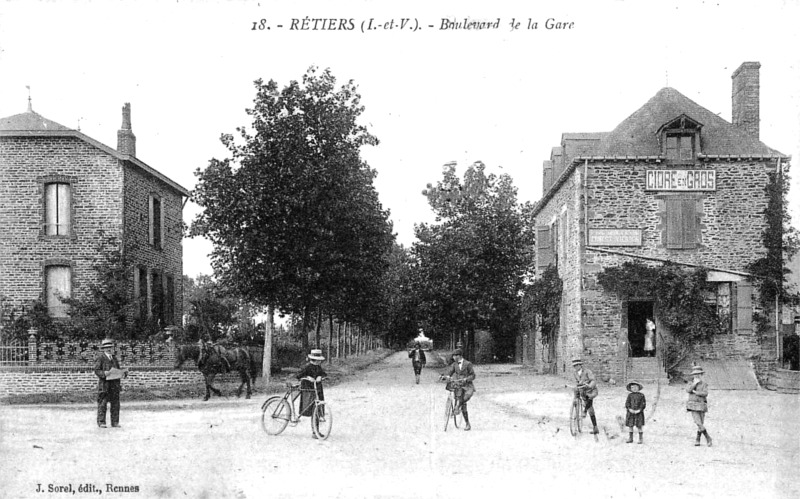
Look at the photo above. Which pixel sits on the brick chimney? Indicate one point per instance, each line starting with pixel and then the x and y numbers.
pixel 745 97
pixel 547 176
pixel 126 140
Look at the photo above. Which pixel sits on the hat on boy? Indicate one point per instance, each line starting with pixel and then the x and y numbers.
pixel 697 370
pixel 316 354
pixel 107 343
pixel 576 362
pixel 458 351
pixel 634 383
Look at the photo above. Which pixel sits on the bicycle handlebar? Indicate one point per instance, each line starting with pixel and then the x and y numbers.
pixel 313 380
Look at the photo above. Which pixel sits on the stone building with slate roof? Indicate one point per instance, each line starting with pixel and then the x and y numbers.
pixel 60 191
pixel 672 182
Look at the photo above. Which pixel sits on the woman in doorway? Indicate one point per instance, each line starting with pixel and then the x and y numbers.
pixel 649 338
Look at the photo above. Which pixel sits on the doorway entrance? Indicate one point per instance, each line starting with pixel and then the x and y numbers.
pixel 638 313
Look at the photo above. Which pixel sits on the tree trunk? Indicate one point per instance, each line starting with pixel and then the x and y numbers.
pixel 304 339
pixel 338 340
pixel 348 338
pixel 330 335
pixel 266 361
pixel 319 325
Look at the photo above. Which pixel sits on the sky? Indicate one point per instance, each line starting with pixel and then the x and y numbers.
pixel 431 95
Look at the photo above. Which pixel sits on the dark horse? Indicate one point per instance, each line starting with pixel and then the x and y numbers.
pixel 212 361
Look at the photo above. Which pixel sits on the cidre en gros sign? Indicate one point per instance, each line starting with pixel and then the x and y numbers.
pixel 681 180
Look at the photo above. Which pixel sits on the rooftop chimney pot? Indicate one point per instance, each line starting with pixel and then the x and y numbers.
pixel 126 140
pixel 745 97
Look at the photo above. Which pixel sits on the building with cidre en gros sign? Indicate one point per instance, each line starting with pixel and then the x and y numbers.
pixel 673 182
pixel 61 193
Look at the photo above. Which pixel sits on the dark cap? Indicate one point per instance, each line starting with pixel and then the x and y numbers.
pixel 458 352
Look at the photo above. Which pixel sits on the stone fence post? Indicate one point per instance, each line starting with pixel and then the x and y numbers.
pixel 33 344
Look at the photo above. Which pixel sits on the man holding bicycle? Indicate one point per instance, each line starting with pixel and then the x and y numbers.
pixel 462 372
pixel 587 388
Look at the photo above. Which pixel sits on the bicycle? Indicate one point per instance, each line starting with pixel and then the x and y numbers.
pixel 279 411
pixel 452 408
pixel 576 411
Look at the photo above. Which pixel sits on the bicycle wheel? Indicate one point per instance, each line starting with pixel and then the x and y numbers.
pixel 457 414
pixel 275 415
pixel 575 417
pixel 448 411
pixel 322 421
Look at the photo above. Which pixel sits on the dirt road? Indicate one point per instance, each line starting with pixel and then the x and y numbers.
pixel 387 441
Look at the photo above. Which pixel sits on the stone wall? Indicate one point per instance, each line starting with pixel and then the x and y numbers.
pixel 18 382
pixel 168 258
pixel 564 211
pixel 26 163
pixel 731 220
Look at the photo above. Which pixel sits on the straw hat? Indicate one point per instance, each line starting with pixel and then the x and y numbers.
pixel 697 370
pixel 107 343
pixel 577 362
pixel 634 383
pixel 316 354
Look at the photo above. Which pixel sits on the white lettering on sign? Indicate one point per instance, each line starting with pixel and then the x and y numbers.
pixel 615 237
pixel 681 180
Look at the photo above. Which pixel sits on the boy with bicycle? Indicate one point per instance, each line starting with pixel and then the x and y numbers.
pixel 462 372
pixel 587 387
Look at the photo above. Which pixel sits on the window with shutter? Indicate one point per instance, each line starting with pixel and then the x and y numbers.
pixel 544 247
pixel 57 209
pixel 58 284
pixel 156 217
pixel 681 223
pixel 744 306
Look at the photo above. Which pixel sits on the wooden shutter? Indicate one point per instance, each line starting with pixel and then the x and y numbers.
pixel 150 219
pixel 674 231
pixel 744 306
pixel 544 247
pixel 689 223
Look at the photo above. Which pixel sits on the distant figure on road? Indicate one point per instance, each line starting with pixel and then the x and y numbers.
pixel 462 370
pixel 106 367
pixel 650 338
pixel 634 410
pixel 698 403
pixel 418 360
pixel 587 385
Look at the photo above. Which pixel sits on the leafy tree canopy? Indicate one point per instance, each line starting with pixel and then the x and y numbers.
pixel 293 215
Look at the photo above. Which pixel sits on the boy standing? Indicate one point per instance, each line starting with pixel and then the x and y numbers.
pixel 698 404
pixel 587 385
pixel 634 407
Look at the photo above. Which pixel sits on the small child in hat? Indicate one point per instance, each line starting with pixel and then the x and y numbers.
pixel 698 403
pixel 312 369
pixel 634 406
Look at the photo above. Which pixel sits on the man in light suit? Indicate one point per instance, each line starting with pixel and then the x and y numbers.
pixel 107 390
pixel 462 370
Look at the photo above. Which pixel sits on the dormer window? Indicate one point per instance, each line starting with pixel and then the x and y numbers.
pixel 680 140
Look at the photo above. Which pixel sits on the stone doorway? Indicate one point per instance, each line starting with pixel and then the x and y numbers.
pixel 638 313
